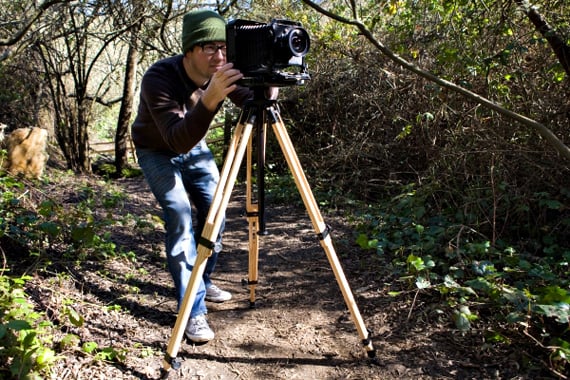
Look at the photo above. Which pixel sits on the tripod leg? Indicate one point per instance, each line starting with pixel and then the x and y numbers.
pixel 320 227
pixel 210 232
pixel 252 213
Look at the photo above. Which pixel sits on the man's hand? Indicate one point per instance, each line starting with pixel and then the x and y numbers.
pixel 221 84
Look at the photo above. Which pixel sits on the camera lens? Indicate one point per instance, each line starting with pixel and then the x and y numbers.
pixel 299 42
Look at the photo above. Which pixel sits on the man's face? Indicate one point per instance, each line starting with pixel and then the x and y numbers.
pixel 205 59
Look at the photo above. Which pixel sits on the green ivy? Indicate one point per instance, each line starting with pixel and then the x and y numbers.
pixel 25 335
pixel 439 252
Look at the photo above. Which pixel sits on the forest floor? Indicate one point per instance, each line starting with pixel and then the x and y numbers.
pixel 300 327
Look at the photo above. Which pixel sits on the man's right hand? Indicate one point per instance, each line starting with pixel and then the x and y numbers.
pixel 221 84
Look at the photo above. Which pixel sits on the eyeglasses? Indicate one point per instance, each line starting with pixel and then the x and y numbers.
pixel 211 49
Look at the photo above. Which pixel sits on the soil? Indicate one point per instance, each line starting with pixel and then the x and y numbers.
pixel 300 327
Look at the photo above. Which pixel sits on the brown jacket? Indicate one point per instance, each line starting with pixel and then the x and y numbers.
pixel 171 116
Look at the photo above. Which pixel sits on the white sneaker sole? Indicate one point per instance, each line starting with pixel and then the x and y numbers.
pixel 199 339
pixel 217 300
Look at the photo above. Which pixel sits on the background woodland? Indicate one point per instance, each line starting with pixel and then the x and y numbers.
pixel 440 128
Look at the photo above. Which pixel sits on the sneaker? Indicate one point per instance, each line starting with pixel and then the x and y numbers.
pixel 198 329
pixel 215 294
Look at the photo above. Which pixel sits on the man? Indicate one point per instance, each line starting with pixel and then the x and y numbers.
pixel 179 97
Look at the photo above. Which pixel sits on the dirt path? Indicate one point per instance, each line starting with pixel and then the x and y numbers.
pixel 300 328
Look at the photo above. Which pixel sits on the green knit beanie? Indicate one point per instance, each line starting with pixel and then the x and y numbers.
pixel 202 26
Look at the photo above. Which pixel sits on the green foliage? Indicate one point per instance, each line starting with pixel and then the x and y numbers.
pixel 438 252
pixel 26 336
pixel 280 187
pixel 105 353
pixel 104 125
pixel 108 170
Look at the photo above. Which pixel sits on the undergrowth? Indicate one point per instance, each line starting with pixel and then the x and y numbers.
pixel 35 231
pixel 521 284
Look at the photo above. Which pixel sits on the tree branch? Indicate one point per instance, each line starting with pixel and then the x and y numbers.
pixel 20 34
pixel 560 48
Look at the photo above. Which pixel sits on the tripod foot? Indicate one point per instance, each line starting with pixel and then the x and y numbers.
pixel 252 305
pixel 164 373
pixel 367 343
pixel 374 360
pixel 170 363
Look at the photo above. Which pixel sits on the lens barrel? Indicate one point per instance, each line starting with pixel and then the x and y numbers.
pixel 299 42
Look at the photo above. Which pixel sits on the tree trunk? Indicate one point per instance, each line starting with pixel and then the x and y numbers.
pixel 81 148
pixel 560 48
pixel 126 111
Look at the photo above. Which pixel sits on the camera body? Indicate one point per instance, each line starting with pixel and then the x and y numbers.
pixel 270 55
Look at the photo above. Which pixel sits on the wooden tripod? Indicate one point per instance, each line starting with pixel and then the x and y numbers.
pixel 257 113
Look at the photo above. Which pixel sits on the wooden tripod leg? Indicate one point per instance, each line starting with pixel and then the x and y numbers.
pixel 252 214
pixel 211 229
pixel 320 227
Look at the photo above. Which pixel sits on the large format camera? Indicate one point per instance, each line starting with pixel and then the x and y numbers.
pixel 271 54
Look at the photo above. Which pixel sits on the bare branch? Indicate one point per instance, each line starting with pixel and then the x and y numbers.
pixel 165 20
pixel 22 32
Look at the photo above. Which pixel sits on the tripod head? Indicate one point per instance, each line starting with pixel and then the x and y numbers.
pixel 263 97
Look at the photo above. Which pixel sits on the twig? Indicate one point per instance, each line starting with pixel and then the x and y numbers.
pixel 551 348
pixel 4 261
pixel 413 304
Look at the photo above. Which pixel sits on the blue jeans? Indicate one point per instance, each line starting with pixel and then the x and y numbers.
pixel 177 181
